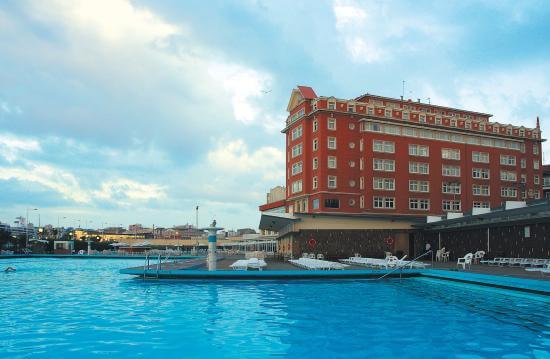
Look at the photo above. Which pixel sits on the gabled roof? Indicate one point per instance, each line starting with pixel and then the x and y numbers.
pixel 299 95
pixel 307 92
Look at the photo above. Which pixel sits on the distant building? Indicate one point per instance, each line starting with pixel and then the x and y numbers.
pixel 546 180
pixel 243 231
pixel 276 203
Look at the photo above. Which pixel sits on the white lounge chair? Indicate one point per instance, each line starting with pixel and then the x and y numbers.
pixel 466 260
pixel 320 256
pixel 478 256
pixel 241 264
pixel 255 263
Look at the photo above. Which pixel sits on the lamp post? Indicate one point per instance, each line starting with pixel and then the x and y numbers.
pixel 27 226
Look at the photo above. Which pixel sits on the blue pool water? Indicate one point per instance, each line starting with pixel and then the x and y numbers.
pixel 60 308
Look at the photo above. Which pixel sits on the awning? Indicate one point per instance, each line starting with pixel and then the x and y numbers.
pixel 276 221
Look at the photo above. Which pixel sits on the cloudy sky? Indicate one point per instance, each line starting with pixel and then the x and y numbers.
pixel 118 111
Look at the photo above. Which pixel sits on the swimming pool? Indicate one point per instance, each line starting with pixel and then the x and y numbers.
pixel 85 308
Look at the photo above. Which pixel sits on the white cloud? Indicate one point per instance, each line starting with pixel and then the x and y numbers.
pixel 234 157
pixel 50 177
pixel 124 191
pixel 11 146
pixel 243 86
pixel 375 31
pixel 111 20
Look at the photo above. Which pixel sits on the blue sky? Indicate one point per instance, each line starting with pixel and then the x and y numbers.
pixel 123 112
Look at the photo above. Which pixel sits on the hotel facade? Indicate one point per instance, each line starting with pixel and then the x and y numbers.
pixel 379 155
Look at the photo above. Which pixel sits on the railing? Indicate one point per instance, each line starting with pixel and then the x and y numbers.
pixel 400 267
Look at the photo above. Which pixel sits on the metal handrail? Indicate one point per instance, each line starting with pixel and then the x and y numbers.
pixel 404 265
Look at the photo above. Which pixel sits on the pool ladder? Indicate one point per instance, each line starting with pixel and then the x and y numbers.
pixel 147 265
pixel 400 267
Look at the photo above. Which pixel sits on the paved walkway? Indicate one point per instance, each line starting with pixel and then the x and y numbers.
pixel 506 271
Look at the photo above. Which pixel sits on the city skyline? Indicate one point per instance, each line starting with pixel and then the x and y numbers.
pixel 137 112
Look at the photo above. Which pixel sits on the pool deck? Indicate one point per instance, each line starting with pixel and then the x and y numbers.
pixel 501 277
pixel 85 256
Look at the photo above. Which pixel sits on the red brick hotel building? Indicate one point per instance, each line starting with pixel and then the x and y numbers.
pixel 380 155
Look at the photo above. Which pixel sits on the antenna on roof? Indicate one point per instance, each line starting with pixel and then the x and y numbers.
pixel 403 93
pixel 429 101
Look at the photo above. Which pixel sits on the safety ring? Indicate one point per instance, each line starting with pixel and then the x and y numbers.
pixel 311 243
pixel 389 241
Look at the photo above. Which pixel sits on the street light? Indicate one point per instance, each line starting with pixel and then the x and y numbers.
pixel 27 226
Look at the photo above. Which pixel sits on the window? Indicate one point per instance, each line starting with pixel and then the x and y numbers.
pixel 331 144
pixel 383 202
pixel 315 125
pixel 510 192
pixel 451 187
pixel 451 171
pixel 361 145
pixel 480 190
pixel 297 150
pixel 450 206
pixel 315 182
pixel 479 204
pixel 418 150
pixel 383 146
pixel 523 163
pixel 523 178
pixel 297 186
pixel 351 126
pixel 315 203
pixel 420 168
pixel 388 113
pixel 331 105
pixel 419 186
pixel 527 232
pixel 546 181
pixel 387 184
pixel 405 115
pixel 480 173
pixel 297 168
pixel 351 108
pixel 361 183
pixel 508 176
pixel 370 111
pixel 480 157
pixel 362 202
pixel 352 164
pixel 536 179
pixel 297 115
pixel 331 162
pixel 453 122
pixel 450 154
pixel 331 182
pixel 331 124
pixel 536 164
pixel 507 160
pixel 315 144
pixel 361 164
pixel 535 149
pixel 315 163
pixel 297 133
pixel 351 145
pixel 419 204
pixel 332 203
pixel 422 119
pixel 383 165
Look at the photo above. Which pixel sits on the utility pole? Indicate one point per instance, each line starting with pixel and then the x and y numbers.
pixel 197 218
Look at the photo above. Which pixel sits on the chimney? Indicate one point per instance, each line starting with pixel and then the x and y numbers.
pixel 418 100
pixel 401 98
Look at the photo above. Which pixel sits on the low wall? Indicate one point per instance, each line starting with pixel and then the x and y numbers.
pixel 337 244
pixel 504 241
